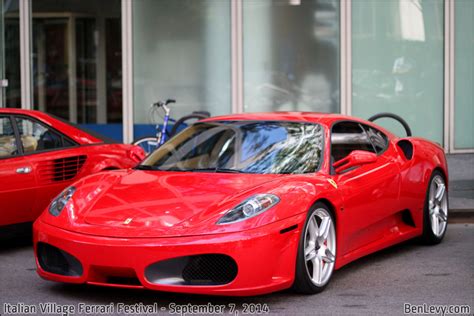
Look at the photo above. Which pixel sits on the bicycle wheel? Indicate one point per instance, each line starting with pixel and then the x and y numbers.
pixel 147 143
pixel 182 121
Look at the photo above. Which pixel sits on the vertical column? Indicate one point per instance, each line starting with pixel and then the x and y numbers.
pixel 41 71
pixel 449 76
pixel 127 66
pixel 3 80
pixel 101 64
pixel 72 67
pixel 236 55
pixel 25 55
pixel 346 56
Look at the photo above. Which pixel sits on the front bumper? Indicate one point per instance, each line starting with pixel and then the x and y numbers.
pixel 265 257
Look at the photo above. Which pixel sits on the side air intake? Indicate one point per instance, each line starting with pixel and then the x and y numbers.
pixel 407 148
pixel 205 269
pixel 61 169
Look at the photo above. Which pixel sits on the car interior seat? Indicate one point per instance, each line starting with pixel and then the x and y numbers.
pixel 30 144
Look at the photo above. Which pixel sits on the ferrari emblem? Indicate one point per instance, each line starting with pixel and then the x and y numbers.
pixel 127 221
pixel 333 183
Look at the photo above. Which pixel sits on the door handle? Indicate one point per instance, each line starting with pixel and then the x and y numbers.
pixel 23 170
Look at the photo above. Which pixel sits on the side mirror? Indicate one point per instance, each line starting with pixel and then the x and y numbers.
pixel 356 158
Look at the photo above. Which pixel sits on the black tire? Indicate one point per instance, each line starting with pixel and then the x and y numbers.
pixel 303 283
pixel 428 237
pixel 392 116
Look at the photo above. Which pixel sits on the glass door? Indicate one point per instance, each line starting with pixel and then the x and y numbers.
pixel 76 62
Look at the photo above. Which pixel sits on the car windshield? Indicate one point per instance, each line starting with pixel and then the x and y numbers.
pixel 241 147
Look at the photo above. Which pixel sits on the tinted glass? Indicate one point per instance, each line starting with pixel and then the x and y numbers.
pixel 181 50
pixel 7 138
pixel 291 55
pixel 249 147
pixel 398 63
pixel 378 139
pixel 77 60
pixel 347 137
pixel 38 137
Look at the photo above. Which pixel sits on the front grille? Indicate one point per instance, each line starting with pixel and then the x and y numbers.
pixel 205 269
pixel 57 261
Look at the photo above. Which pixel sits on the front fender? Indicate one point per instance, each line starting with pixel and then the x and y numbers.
pixel 106 164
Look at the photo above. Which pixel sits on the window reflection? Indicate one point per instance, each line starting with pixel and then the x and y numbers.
pixel 291 55
pixel 11 47
pixel 397 63
pixel 77 67
pixel 249 147
pixel 181 50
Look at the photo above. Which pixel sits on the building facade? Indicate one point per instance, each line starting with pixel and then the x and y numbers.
pixel 102 64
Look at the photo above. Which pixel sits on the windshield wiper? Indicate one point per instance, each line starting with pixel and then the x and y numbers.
pixel 145 167
pixel 217 170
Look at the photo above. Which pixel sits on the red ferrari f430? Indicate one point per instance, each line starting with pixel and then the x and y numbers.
pixel 247 204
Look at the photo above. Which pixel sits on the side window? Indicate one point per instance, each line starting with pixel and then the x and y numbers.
pixel 7 138
pixel 38 137
pixel 347 137
pixel 378 139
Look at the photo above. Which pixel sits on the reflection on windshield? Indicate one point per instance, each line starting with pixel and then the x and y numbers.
pixel 241 146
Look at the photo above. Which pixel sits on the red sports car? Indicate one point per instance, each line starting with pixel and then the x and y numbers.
pixel 247 204
pixel 41 155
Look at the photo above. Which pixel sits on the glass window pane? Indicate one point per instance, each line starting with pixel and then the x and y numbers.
pixel 243 146
pixel 77 62
pixel 37 137
pixel 397 63
pixel 464 74
pixel 7 138
pixel 181 50
pixel 291 55
pixel 11 62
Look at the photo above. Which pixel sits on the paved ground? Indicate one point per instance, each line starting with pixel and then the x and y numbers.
pixel 378 284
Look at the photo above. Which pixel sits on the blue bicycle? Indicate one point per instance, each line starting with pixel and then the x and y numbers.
pixel 151 143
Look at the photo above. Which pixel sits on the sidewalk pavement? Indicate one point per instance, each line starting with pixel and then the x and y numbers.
pixel 461 183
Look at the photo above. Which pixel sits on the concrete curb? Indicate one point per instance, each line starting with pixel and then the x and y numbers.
pixel 461 213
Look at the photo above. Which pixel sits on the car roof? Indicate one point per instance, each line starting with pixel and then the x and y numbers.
pixel 314 117
pixel 77 134
pixel 326 119
pixel 323 118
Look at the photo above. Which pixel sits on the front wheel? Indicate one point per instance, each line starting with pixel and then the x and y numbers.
pixel 147 143
pixel 435 212
pixel 316 251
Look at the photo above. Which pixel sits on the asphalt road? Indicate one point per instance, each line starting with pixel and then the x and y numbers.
pixel 378 284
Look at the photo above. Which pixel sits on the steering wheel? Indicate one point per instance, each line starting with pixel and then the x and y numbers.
pixel 392 116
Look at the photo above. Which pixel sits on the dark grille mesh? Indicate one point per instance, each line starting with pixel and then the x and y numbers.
pixel 205 269
pixel 57 261
pixel 210 269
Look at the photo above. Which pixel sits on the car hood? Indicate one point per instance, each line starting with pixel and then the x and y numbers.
pixel 137 203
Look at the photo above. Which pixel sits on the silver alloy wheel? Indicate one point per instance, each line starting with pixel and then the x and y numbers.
pixel 320 247
pixel 438 206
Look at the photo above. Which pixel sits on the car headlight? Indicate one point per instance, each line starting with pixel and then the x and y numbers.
pixel 58 204
pixel 251 207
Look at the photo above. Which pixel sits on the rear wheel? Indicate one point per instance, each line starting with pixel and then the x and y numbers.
pixel 435 214
pixel 316 251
